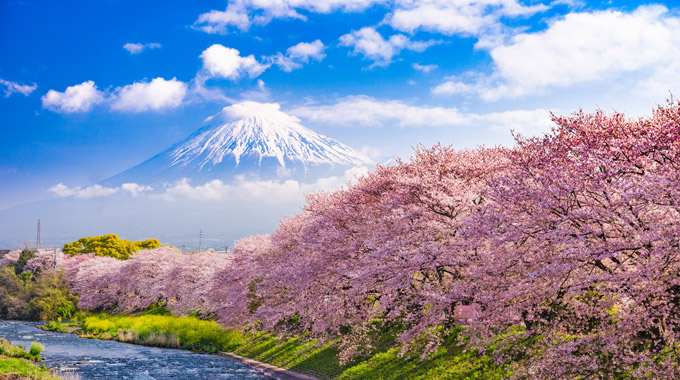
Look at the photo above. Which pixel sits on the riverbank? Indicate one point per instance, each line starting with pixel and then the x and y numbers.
pixel 158 329
pixel 108 359
pixel 451 361
pixel 166 331
pixel 297 354
pixel 16 363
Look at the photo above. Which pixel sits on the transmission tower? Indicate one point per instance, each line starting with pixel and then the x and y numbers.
pixel 38 241
pixel 200 240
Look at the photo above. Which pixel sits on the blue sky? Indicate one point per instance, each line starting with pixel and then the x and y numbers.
pixel 91 88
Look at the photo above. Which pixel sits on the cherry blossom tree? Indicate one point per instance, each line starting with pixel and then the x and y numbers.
pixel 46 259
pixel 580 243
pixel 563 251
pixel 152 276
pixel 10 258
pixel 388 247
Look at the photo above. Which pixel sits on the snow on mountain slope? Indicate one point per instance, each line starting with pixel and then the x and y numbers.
pixel 248 138
pixel 262 130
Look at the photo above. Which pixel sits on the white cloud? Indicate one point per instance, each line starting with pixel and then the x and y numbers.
pixel 145 96
pixel 93 191
pixel 306 50
pixel 452 87
pixel 641 47
pixel 218 21
pixel 135 189
pixel 478 17
pixel 372 152
pixel 224 62
pixel 136 48
pixel 526 122
pixel 97 191
pixel 455 16
pixel 13 87
pixel 241 14
pixel 371 112
pixel 210 191
pixel 285 191
pixel 156 95
pixel 284 62
pixel 247 109
pixel 368 111
pixel 298 54
pixel 369 43
pixel 424 68
pixel 77 98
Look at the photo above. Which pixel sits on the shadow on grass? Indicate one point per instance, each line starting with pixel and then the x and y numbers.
pixel 451 361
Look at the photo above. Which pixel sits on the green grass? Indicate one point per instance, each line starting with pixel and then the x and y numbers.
pixel 11 350
pixel 25 367
pixel 8 349
pixel 451 361
pixel 57 326
pixel 299 354
pixel 162 331
pixel 14 360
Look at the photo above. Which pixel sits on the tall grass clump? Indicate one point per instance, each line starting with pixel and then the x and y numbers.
pixel 35 350
pixel 11 350
pixel 163 331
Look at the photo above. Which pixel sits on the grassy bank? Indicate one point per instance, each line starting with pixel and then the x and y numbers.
pixel 161 331
pixel 298 354
pixel 451 361
pixel 15 363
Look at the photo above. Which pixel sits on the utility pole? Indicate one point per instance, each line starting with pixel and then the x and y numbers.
pixel 200 240
pixel 38 241
pixel 54 250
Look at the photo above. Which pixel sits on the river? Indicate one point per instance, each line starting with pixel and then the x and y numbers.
pixel 105 359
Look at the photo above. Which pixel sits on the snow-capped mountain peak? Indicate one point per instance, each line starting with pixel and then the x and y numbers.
pixel 251 139
pixel 260 130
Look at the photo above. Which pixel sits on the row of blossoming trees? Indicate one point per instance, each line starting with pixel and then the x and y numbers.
pixel 567 246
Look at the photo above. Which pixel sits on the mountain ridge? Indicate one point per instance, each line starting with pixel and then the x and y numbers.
pixel 248 138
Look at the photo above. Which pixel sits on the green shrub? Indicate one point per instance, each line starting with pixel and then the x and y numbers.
pixel 54 326
pixel 50 298
pixel 11 291
pixel 24 257
pixel 35 350
pixel 42 297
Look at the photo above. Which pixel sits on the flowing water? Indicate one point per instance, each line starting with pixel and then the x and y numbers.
pixel 105 359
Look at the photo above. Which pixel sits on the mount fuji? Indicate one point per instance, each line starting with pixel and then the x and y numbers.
pixel 249 166
pixel 248 139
